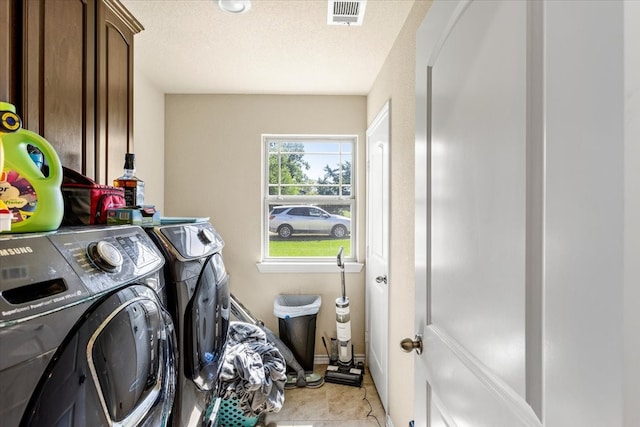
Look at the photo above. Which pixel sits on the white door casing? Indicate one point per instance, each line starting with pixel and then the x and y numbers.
pixel 377 258
pixel 519 214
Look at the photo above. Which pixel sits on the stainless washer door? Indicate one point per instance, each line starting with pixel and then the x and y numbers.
pixel 116 368
pixel 206 325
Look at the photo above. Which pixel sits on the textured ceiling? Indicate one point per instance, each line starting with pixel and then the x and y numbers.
pixel 278 47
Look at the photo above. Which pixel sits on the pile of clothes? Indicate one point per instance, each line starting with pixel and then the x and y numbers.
pixel 254 371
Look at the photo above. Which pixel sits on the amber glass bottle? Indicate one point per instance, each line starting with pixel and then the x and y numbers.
pixel 133 186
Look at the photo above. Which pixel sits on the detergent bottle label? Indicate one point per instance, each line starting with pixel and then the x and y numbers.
pixel 18 195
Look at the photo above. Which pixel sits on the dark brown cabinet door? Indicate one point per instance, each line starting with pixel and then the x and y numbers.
pixel 69 71
pixel 9 51
pixel 116 88
pixel 58 70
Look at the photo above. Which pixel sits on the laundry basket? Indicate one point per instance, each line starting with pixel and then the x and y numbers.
pixel 229 415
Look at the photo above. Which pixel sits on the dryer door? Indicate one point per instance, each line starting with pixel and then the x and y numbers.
pixel 117 367
pixel 206 324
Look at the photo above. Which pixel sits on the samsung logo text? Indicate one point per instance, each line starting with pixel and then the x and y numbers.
pixel 16 251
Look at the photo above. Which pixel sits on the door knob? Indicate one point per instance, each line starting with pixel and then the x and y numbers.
pixel 409 344
pixel 381 279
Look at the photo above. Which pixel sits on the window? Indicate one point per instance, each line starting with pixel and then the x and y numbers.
pixel 309 200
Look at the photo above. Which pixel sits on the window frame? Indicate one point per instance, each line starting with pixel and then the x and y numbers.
pixel 322 200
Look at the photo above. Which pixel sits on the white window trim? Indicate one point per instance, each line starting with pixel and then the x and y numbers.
pixel 307 267
pixel 310 265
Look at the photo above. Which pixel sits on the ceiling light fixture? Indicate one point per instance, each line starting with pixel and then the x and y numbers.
pixel 235 6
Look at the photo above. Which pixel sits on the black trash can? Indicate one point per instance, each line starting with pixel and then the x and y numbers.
pixel 297 325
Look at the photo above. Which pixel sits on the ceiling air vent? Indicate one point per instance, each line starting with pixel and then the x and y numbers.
pixel 346 12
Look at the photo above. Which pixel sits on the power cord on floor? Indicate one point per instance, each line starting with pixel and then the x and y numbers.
pixel 370 413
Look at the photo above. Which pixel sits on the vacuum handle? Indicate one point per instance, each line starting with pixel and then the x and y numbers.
pixel 325 347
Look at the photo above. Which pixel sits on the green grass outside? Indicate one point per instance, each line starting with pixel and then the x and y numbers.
pixel 307 246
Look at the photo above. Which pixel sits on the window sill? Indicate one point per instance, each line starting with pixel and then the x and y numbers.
pixel 307 267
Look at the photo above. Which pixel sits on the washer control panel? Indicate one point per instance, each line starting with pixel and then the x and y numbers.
pixel 109 257
pixel 105 256
pixel 190 241
pixel 35 278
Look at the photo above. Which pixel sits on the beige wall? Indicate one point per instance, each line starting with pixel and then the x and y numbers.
pixel 148 127
pixel 396 82
pixel 213 168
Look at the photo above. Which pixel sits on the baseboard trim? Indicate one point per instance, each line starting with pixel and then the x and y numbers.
pixel 323 359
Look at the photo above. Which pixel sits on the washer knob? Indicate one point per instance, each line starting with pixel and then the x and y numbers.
pixel 206 236
pixel 105 256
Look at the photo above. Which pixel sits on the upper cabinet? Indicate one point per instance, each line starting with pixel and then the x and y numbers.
pixel 70 74
pixel 9 55
pixel 115 62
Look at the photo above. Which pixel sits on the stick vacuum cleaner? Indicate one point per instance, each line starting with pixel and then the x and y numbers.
pixel 343 370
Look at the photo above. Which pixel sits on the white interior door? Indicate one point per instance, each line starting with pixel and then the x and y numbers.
pixel 471 222
pixel 377 258
pixel 522 300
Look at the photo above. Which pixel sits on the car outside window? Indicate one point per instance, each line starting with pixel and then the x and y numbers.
pixel 278 210
pixel 315 212
pixel 309 198
pixel 299 212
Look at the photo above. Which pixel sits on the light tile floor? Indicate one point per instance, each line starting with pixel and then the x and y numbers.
pixel 329 406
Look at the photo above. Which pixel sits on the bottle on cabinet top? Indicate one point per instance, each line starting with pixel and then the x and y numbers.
pixel 133 186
